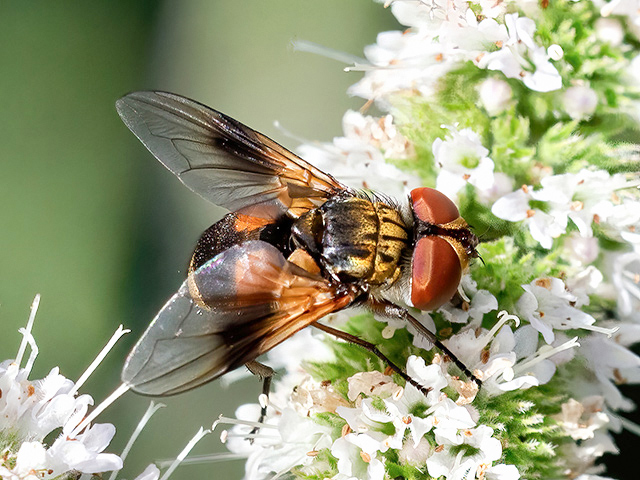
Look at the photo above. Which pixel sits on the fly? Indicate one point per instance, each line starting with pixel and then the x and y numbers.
pixel 297 246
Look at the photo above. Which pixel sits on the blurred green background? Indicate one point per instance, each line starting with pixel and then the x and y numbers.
pixel 91 221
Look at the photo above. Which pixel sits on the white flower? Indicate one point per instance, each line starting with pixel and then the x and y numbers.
pixel 462 159
pixel 612 364
pixel 33 410
pixel 354 462
pixel 626 8
pixel 581 420
pixel 84 453
pixel 472 311
pixel 584 197
pixel 430 13
pixel 495 95
pixel 520 53
pixel 583 250
pixel 150 473
pixel 356 158
pixel 581 458
pixel 30 464
pixel 609 30
pixel 548 305
pixel 379 132
pixel 282 442
pixel 371 383
pixel 494 365
pixel 457 466
pixel 579 102
pixel 493 8
pixel 502 472
pixel 626 280
pixel 443 34
pixel 544 227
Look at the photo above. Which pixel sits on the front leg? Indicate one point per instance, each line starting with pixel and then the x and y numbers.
pixel 391 310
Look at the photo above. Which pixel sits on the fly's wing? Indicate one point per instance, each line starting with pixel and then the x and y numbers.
pixel 223 160
pixel 238 305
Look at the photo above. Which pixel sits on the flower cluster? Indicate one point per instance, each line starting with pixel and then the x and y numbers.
pixel 31 410
pixel 45 433
pixel 522 112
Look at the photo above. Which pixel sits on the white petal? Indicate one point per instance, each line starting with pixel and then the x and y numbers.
pixel 503 472
pixel 512 207
pixel 153 473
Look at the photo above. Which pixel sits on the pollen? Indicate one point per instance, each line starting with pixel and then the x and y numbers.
pixel 484 356
pixel 366 458
pixel 544 283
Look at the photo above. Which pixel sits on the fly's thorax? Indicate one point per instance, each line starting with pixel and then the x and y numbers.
pixel 355 239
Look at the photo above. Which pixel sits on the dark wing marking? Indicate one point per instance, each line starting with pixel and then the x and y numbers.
pixel 223 160
pixel 235 307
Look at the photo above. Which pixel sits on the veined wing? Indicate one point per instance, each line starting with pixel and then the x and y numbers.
pixel 238 305
pixel 223 160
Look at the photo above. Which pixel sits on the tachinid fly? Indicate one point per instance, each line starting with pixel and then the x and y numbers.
pixel 296 246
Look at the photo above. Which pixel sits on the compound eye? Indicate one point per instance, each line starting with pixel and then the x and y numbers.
pixel 431 206
pixel 435 273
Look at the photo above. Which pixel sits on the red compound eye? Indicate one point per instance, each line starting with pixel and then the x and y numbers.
pixel 429 205
pixel 435 273
pixel 436 269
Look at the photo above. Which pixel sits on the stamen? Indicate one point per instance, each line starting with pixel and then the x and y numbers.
pixel 24 373
pixel 288 133
pixel 628 424
pixel 275 440
pixel 26 333
pixel 545 352
pixel 103 353
pixel 210 458
pixel 503 317
pixel 236 421
pixel 323 51
pixel 463 294
pixel 608 8
pixel 99 409
pixel 153 408
pixel 607 331
pixel 185 451
pixel 627 186
pixel 367 67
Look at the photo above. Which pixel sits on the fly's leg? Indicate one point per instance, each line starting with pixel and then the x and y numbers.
pixel 390 310
pixel 373 349
pixel 265 373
